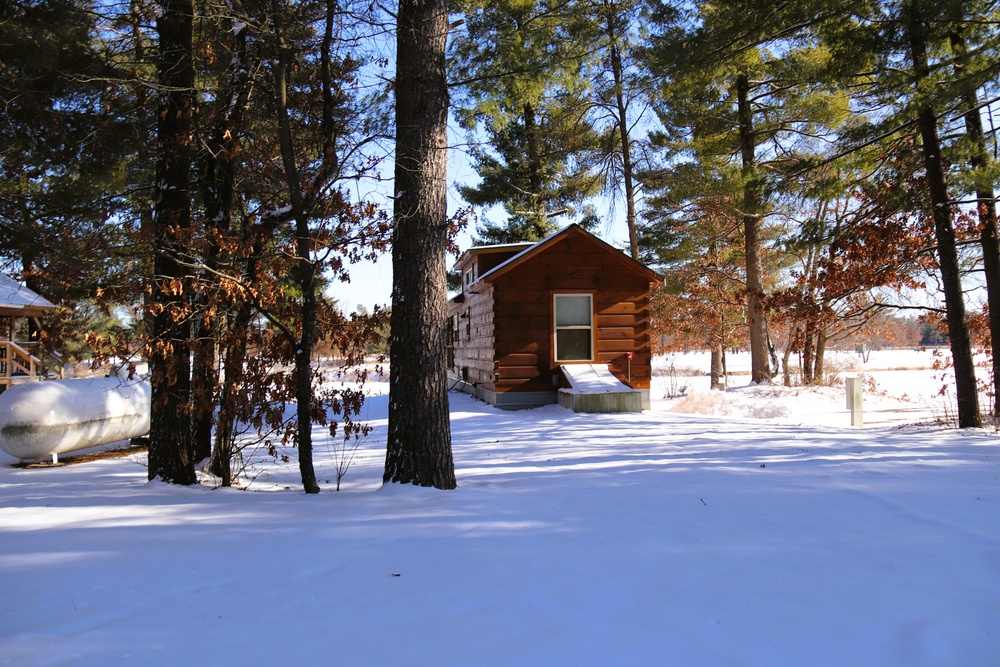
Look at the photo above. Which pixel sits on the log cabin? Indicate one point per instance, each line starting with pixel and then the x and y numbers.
pixel 18 304
pixel 528 312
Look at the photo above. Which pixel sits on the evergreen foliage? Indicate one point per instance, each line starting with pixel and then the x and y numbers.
pixel 66 142
pixel 518 68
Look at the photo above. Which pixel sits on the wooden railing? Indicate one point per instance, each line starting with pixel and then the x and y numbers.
pixel 17 364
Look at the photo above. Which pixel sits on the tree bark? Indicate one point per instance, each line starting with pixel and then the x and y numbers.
pixel 819 366
pixel 306 274
pixel 234 357
pixel 204 374
pixel 418 450
pixel 808 352
pixel 760 365
pixel 786 372
pixel 717 369
pixel 170 456
pixel 944 230
pixel 234 360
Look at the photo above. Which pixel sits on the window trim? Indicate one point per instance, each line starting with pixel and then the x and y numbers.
pixel 592 327
pixel 470 276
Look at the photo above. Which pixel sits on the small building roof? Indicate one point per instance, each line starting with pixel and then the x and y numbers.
pixel 492 249
pixel 500 247
pixel 569 231
pixel 18 301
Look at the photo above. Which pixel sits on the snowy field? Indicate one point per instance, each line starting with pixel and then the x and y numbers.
pixel 901 387
pixel 757 528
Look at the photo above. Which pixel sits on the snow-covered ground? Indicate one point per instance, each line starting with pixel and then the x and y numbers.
pixel 711 537
pixel 901 387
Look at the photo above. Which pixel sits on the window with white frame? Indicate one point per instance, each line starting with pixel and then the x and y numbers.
pixel 470 276
pixel 574 327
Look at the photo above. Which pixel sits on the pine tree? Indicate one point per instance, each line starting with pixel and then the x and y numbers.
pixel 618 90
pixel 915 21
pixel 971 71
pixel 743 99
pixel 916 83
pixel 65 146
pixel 519 67
pixel 170 455
pixel 701 303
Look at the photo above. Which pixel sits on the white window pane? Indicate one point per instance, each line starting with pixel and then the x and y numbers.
pixel 573 311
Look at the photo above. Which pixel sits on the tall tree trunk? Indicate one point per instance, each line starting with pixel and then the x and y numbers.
pixel 170 456
pixel 218 165
pixel 303 365
pixel 233 373
pixel 205 370
pixel 718 359
pixel 944 230
pixel 829 236
pixel 808 351
pixel 989 238
pixel 306 274
pixel 204 379
pixel 819 366
pixel 234 355
pixel 760 366
pixel 418 450
pixel 813 327
pixel 717 368
pixel 786 373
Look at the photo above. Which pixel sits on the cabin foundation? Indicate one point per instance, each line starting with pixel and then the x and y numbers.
pixel 630 401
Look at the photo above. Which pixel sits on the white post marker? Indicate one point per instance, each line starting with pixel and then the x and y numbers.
pixel 855 392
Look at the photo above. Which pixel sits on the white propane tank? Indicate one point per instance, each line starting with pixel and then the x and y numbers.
pixel 41 419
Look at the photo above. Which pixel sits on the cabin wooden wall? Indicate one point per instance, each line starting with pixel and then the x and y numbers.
pixel 523 315
pixel 473 339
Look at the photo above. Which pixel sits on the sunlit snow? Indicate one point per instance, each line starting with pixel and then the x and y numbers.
pixel 758 528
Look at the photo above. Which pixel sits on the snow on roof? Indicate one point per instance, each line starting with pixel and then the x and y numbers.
pixel 14 295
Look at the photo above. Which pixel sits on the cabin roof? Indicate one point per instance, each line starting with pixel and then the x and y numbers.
pixel 491 249
pixel 19 301
pixel 533 249
pixel 500 247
